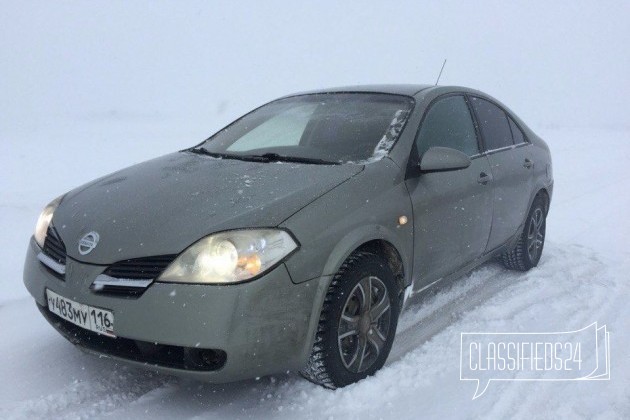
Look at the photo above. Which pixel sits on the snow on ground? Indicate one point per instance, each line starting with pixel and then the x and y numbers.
pixel 582 278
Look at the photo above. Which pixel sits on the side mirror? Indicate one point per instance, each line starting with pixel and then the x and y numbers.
pixel 441 159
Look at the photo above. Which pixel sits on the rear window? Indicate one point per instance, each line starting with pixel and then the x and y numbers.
pixel 340 127
pixel 494 124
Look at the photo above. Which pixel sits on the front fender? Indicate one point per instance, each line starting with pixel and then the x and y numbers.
pixel 364 208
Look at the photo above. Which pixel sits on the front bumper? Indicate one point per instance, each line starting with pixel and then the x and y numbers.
pixel 266 326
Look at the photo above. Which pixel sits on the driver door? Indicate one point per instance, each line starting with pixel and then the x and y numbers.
pixel 452 210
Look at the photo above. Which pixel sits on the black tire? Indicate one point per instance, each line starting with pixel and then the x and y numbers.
pixel 531 242
pixel 328 365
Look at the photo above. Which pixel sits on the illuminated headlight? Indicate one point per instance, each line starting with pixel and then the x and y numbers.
pixel 44 221
pixel 230 257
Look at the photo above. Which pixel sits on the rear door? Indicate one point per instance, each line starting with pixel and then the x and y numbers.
pixel 511 163
pixel 452 210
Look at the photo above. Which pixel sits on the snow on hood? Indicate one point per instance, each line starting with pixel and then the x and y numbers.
pixel 164 205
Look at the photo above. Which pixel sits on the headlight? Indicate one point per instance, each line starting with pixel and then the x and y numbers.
pixel 44 221
pixel 230 257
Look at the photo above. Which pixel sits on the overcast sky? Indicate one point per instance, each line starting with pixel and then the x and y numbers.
pixel 554 63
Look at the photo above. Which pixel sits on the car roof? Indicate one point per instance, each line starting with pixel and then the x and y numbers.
pixel 394 89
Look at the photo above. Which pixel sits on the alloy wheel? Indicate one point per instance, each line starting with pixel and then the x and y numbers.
pixel 364 324
pixel 535 234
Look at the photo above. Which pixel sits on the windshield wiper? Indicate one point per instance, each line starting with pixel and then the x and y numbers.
pixel 206 152
pixel 275 157
pixel 265 157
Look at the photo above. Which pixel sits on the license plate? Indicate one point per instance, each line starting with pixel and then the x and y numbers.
pixel 85 316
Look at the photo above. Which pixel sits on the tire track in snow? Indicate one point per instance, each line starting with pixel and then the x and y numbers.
pixel 433 313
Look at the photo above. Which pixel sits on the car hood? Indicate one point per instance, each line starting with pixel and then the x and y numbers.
pixel 164 205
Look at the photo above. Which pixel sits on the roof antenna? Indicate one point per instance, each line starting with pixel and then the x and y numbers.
pixel 440 75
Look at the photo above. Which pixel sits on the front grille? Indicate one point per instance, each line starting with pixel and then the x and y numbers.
pixel 146 268
pixel 54 247
pixel 186 358
pixel 130 278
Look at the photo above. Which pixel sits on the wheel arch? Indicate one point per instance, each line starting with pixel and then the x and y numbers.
pixel 391 254
pixel 546 197
pixel 539 191
pixel 378 240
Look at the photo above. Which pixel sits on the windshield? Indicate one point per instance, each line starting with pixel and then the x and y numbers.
pixel 340 127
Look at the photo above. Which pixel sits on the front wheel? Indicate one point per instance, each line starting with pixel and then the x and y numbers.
pixel 357 324
pixel 529 247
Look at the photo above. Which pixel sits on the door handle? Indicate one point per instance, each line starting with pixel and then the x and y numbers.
pixel 484 178
pixel 528 163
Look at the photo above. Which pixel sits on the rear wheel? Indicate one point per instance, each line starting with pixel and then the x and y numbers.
pixel 357 324
pixel 529 247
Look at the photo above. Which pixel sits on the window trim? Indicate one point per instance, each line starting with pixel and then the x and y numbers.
pixel 503 149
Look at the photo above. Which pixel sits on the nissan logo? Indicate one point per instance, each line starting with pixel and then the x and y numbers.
pixel 88 243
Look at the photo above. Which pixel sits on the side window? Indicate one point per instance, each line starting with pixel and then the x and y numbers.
pixel 495 127
pixel 517 134
pixel 448 124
